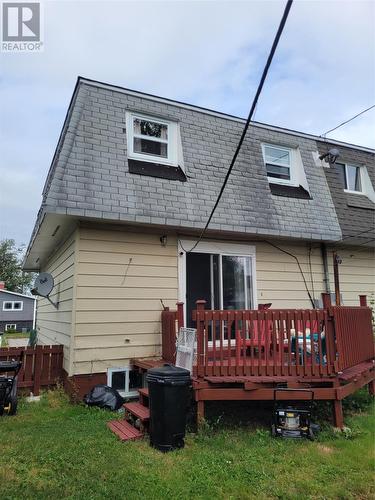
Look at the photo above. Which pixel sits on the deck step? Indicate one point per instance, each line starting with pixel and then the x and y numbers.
pixel 144 392
pixel 138 410
pixel 145 364
pixel 124 430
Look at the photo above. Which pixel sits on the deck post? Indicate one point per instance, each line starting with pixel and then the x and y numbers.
pixel 200 338
pixel 200 413
pixel 326 299
pixel 338 415
pixel 363 300
pixel 180 315
pixel 371 388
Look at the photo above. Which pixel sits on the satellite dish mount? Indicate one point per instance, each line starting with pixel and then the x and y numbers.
pixel 43 286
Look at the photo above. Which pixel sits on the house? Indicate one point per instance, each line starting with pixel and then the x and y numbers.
pixel 132 184
pixel 17 311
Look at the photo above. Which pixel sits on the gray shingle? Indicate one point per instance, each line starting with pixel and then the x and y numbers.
pixel 91 173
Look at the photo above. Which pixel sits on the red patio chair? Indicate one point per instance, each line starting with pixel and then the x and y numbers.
pixel 261 334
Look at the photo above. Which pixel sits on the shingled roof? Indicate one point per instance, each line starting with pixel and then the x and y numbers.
pixel 89 175
pixel 356 212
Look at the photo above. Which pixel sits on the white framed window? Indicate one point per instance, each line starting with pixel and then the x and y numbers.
pixel 13 305
pixel 125 380
pixel 10 326
pixel 151 139
pixel 280 164
pixel 352 177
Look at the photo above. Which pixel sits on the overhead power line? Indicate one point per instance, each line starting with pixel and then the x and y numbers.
pixel 252 109
pixel 347 121
pixel 357 234
pixel 299 267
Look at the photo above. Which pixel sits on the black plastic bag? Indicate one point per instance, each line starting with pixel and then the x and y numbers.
pixel 104 397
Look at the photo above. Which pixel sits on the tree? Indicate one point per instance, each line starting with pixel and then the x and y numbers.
pixel 11 256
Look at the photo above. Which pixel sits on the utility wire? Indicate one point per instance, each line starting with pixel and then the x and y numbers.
pixel 252 109
pixel 357 234
pixel 299 267
pixel 347 121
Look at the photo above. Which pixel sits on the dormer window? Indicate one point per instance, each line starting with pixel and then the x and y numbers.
pixel 352 177
pixel 285 172
pixel 151 139
pixel 279 162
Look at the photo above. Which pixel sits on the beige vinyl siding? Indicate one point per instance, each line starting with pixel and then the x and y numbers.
pixel 279 279
pixel 356 273
pixel 54 326
pixel 122 276
pixel 280 282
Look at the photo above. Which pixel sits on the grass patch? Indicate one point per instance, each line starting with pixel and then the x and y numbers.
pixel 14 335
pixel 55 449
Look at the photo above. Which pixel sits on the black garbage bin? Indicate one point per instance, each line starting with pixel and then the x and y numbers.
pixel 168 388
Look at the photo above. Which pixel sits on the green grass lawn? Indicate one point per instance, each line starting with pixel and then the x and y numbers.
pixel 53 449
pixel 16 335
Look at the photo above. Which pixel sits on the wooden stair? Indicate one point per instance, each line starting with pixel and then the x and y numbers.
pixel 124 430
pixel 136 413
pixel 138 410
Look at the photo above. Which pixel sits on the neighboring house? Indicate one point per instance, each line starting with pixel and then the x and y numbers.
pixel 131 185
pixel 17 311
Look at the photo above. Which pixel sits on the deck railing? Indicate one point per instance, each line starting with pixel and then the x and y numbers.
pixel 282 342
pixel 354 335
pixel 278 342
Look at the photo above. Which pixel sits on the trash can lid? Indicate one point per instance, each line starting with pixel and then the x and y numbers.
pixel 169 374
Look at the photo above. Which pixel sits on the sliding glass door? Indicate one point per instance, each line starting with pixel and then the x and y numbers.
pixel 223 281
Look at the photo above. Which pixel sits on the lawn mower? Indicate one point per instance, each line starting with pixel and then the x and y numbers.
pixel 8 386
pixel 293 420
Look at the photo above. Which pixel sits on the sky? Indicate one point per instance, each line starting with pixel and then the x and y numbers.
pixel 207 53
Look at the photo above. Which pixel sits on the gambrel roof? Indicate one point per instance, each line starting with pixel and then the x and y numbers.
pixel 90 178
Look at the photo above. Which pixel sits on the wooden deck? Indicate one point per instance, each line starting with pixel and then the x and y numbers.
pixel 244 355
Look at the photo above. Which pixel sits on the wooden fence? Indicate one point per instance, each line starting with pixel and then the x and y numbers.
pixel 42 365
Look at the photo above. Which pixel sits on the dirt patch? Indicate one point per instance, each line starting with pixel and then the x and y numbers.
pixel 325 450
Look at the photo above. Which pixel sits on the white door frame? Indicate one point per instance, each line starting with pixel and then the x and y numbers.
pixel 214 247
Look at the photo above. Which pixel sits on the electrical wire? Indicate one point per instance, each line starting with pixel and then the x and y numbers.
pixel 299 267
pixel 357 234
pixel 347 121
pixel 252 109
pixel 365 242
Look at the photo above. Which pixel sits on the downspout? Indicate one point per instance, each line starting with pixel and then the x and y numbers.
pixel 34 314
pixel 327 286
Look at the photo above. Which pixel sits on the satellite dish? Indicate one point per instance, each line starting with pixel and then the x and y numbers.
pixel 43 284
